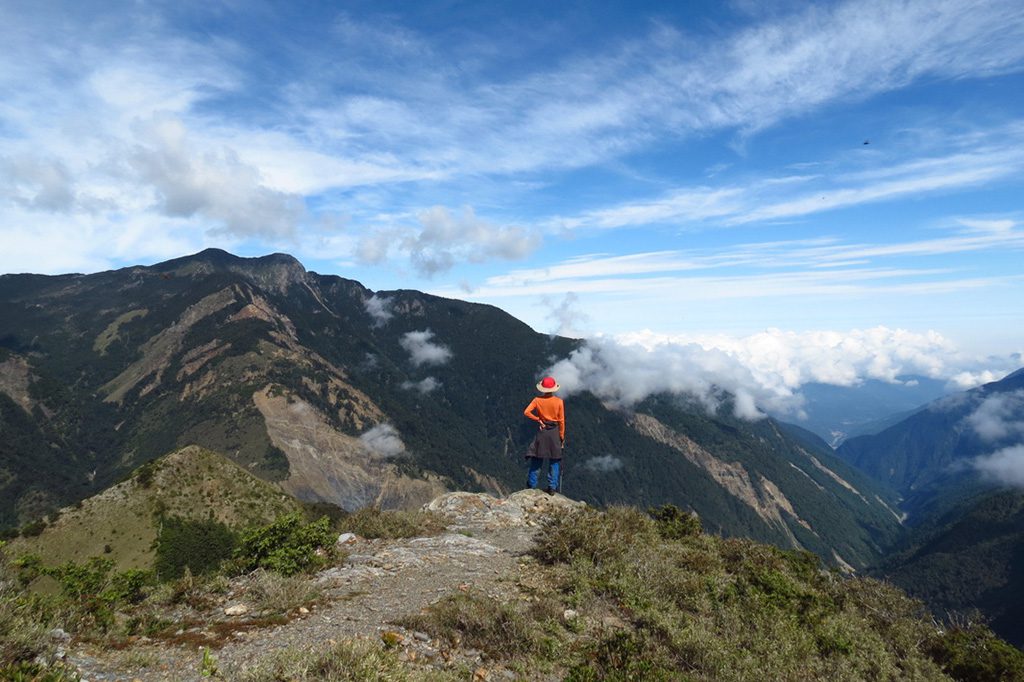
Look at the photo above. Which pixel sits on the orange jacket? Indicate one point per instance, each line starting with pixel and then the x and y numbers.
pixel 548 408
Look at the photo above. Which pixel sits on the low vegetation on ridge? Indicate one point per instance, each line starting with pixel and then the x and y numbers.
pixel 623 595
pixel 610 595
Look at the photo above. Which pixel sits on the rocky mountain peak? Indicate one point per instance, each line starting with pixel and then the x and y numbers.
pixel 275 272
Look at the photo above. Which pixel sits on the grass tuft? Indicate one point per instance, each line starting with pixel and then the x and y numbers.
pixel 503 630
pixel 347 661
pixel 371 522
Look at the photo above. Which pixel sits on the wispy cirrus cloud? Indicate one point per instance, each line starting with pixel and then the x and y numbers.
pixel 90 97
pixel 594 106
pixel 819 266
pixel 983 156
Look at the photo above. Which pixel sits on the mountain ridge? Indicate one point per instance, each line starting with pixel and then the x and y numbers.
pixel 300 379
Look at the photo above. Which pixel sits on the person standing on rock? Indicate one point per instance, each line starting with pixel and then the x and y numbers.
pixel 548 411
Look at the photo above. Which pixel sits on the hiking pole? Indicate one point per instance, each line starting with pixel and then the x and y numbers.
pixel 561 472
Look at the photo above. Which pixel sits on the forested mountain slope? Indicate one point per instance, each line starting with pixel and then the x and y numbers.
pixel 350 397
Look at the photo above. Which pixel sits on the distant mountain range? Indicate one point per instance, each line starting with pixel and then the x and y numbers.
pixel 956 463
pixel 939 452
pixel 341 395
pixel 837 413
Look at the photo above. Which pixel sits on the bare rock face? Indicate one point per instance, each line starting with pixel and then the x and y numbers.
pixel 480 510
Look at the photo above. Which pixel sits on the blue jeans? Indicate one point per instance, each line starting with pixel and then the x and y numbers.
pixel 554 472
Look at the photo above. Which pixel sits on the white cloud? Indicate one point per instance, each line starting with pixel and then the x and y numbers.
pixel 422 351
pixel 425 386
pixel 568 318
pixel 969 379
pixel 819 267
pixel 213 183
pixel 37 183
pixel 603 464
pixel 999 417
pixel 588 108
pixel 763 372
pixel 1004 466
pixel 379 308
pixel 383 440
pixel 440 240
pixel 787 360
pixel 91 245
pixel 964 160
pixel 116 115
pixel 625 374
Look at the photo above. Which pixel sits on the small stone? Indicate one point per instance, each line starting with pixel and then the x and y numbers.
pixel 421 636
pixel 570 614
pixel 236 610
pixel 303 610
pixel 481 674
pixel 613 622
pixel 59 635
pixel 347 539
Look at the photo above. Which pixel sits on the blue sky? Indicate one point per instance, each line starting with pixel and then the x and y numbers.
pixel 730 174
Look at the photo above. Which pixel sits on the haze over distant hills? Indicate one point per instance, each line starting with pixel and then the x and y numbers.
pixel 964 440
pixel 351 397
pixel 837 413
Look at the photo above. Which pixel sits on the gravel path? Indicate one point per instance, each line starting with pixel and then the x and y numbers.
pixel 485 550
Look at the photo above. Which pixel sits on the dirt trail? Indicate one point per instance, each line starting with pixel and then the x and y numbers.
pixel 485 549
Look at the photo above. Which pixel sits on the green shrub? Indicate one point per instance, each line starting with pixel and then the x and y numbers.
pixel 625 657
pixel 199 546
pixel 974 653
pixel 22 635
pixel 346 661
pixel 35 672
pixel 129 587
pixel 503 630
pixel 287 546
pixel 196 592
pixel 279 594
pixel 91 592
pixel 599 537
pixel 673 523
pixel 144 474
pixel 34 529
pixel 694 606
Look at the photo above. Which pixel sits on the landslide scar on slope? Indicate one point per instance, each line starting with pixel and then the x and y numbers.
pixel 765 499
pixel 326 465
pixel 14 380
pixel 113 330
pixel 158 351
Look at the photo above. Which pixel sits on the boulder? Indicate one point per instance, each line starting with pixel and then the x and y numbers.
pixel 521 508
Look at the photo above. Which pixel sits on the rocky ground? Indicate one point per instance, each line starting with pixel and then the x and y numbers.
pixel 484 549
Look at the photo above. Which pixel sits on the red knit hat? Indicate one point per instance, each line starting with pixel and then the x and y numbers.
pixel 548 385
